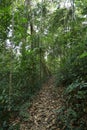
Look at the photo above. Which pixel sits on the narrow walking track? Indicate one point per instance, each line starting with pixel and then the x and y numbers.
pixel 43 109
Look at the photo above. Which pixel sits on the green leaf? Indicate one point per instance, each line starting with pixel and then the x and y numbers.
pixel 83 55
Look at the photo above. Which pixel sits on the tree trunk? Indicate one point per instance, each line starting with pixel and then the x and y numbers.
pixel 11 64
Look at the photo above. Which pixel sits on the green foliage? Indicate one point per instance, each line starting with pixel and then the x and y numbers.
pixel 5 19
pixel 72 73
pixel 72 115
pixel 24 114
pixel 33 39
pixel 83 55
pixel 14 127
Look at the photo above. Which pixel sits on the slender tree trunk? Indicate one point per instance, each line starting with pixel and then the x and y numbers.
pixel 40 68
pixel 11 63
pixel 32 34
pixel 73 9
pixel 30 17
pixel 25 26
pixel 10 87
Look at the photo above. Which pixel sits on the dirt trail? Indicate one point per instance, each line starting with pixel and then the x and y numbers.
pixel 42 112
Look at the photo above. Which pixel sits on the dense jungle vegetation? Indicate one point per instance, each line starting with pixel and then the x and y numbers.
pixel 40 39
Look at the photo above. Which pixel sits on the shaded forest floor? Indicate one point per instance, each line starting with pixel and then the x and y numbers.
pixel 43 109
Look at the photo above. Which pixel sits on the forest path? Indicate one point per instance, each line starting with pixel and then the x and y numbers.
pixel 43 109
